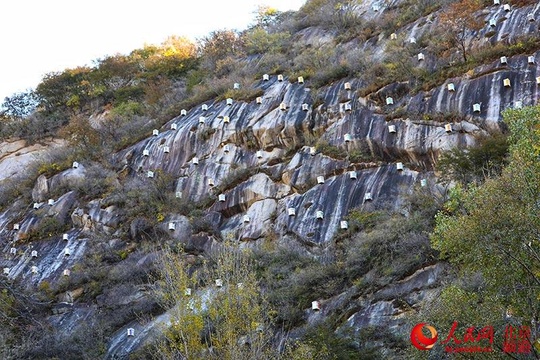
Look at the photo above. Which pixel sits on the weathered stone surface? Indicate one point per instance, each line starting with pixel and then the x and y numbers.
pixel 62 308
pixel 63 206
pixel 67 322
pixel 67 178
pixel 382 308
pixel 93 218
pixel 50 261
pixel 182 226
pixel 258 187
pixel 16 156
pixel 41 189
pixel 70 296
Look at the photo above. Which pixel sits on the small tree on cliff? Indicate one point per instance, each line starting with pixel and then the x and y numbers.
pixel 227 322
pixel 458 20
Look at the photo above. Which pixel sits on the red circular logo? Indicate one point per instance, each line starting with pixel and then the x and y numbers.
pixel 419 340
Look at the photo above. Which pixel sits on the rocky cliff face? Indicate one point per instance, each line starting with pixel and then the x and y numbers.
pixel 293 186
pixel 15 156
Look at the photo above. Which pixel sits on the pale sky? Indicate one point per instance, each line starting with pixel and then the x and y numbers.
pixel 42 36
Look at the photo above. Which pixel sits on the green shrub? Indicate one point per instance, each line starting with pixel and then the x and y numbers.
pixel 48 227
pixel 362 153
pixel 272 64
pixel 475 164
pixel 361 220
pixel 260 41
pixel 286 294
pixel 331 150
pixel 127 109
pixel 325 343
pixel 391 345
pixel 321 65
pixel 407 12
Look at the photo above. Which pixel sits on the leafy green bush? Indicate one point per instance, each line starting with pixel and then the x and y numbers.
pixel 322 65
pixel 475 164
pixel 362 220
pixel 127 109
pixel 260 41
pixel 386 251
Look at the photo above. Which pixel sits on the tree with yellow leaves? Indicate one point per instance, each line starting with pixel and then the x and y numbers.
pixel 216 311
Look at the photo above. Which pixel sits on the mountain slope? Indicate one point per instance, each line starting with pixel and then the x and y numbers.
pixel 328 148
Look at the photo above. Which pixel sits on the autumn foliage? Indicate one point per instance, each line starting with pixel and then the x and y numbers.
pixel 458 20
